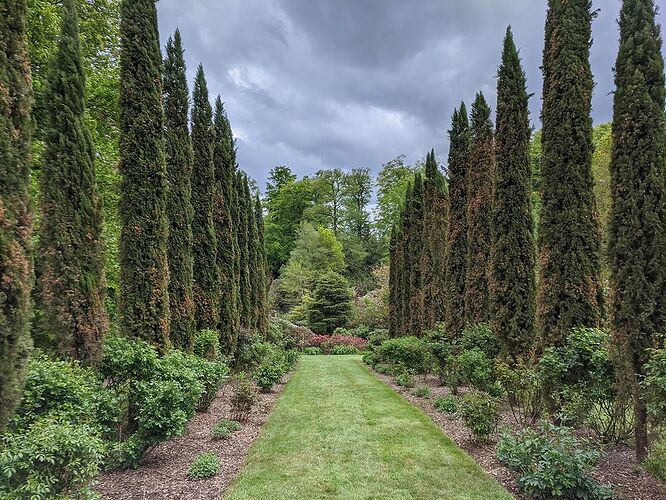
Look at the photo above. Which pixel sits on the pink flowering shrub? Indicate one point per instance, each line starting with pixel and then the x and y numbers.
pixel 328 343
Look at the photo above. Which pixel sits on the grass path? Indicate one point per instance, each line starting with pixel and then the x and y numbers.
pixel 339 432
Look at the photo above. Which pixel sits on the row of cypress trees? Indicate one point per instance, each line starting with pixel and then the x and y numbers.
pixel 491 255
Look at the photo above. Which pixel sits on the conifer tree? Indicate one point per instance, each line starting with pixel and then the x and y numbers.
pixel 433 262
pixel 416 246
pixel 394 285
pixel 71 282
pixel 222 158
pixel 569 293
pixel 456 234
pixel 512 282
pixel 331 305
pixel 481 166
pixel 253 263
pixel 405 268
pixel 144 271
pixel 243 191
pixel 16 274
pixel 262 270
pixel 206 287
pixel 637 242
pixel 179 196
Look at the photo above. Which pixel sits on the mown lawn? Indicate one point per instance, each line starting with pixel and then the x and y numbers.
pixel 339 432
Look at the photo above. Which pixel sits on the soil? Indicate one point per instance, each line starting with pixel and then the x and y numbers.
pixel 618 467
pixel 163 472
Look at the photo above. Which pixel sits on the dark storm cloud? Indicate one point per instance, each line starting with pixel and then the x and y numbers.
pixel 347 83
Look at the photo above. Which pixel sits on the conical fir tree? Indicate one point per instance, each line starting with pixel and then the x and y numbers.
pixel 637 243
pixel 479 213
pixel 245 221
pixel 456 233
pixel 394 285
pixel 253 263
pixel 71 283
pixel 179 197
pixel 331 305
pixel 405 268
pixel 206 287
pixel 568 294
pixel 16 275
pixel 416 246
pixel 222 159
pixel 512 259
pixel 144 271
pixel 262 270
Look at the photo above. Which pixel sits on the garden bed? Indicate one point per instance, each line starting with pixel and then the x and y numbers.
pixel 618 467
pixel 163 472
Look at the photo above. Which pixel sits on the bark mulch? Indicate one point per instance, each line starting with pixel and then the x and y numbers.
pixel 162 474
pixel 618 467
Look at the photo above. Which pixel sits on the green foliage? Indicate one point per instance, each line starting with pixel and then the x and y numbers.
pixel 412 353
pixel 343 350
pixel 52 459
pixel 481 337
pixel 446 404
pixel 268 376
pixel 422 391
pixel 207 344
pixel 654 384
pixel 243 398
pixel 656 461
pixel 313 351
pixel 392 184
pixel 225 428
pixel 205 465
pixel 331 304
pixel 144 273
pixel 404 379
pixel 481 413
pixel 477 370
pixel 524 388
pixel 552 463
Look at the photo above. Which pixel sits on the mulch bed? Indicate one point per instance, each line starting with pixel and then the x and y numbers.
pixel 163 472
pixel 618 467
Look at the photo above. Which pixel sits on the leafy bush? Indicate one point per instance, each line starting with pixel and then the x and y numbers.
pixel 656 461
pixel 422 392
pixel 224 428
pixel 312 351
pixel 552 463
pixel 480 411
pixel 53 459
pixel 205 465
pixel 477 369
pixel 410 352
pixel 207 344
pixel 524 390
pixel 288 335
pixel 655 384
pixel 243 398
pixel 268 376
pixel 343 350
pixel 480 337
pixel 328 342
pixel 446 404
pixel 404 379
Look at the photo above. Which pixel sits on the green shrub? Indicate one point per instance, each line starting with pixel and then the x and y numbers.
pixel 404 380
pixel 552 463
pixel 476 369
pixel 655 384
pixel 125 360
pixel 656 461
pixel 524 391
pixel 312 351
pixel 480 411
pixel 480 337
pixel 243 398
pixel 207 344
pixel 410 352
pixel 446 404
pixel 205 465
pixel 53 459
pixel 422 391
pixel 376 338
pixel 224 428
pixel 343 350
pixel 268 376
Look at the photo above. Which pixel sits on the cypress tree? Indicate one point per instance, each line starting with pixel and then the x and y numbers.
pixel 179 196
pixel 253 264
pixel 144 271
pixel 637 242
pixel 71 283
pixel 416 246
pixel 16 274
pixel 262 270
pixel 569 292
pixel 222 158
pixel 512 283
pixel 479 212
pixel 456 234
pixel 405 268
pixel 394 285
pixel 434 235
pixel 246 249
pixel 206 289
pixel 237 241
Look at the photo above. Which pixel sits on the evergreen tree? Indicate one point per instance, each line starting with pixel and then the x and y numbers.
pixel 637 243
pixel 512 258
pixel 222 159
pixel 179 196
pixel 16 276
pixel 569 293
pixel 481 166
pixel 456 234
pixel 262 270
pixel 144 271
pixel 433 262
pixel 395 298
pixel 415 255
pixel 331 304
pixel 206 287
pixel 243 193
pixel 253 264
pixel 405 268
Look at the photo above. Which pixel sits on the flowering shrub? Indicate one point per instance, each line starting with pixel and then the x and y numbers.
pixel 328 342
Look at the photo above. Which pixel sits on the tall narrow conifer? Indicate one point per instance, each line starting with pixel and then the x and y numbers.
pixel 394 285
pixel 262 270
pixel 512 260
pixel 16 274
pixel 179 196
pixel 481 165
pixel 405 268
pixel 637 243
pixel 569 292
pixel 416 245
pixel 144 271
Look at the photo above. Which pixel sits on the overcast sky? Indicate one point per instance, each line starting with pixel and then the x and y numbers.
pixel 353 83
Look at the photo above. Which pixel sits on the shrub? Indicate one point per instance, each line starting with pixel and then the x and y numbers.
pixel 243 398
pixel 480 411
pixel 207 344
pixel 268 376
pixel 480 337
pixel 476 369
pixel 312 351
pixel 343 350
pixel 656 462
pixel 125 360
pixel 446 404
pixel 288 335
pixel 404 379
pixel 552 463
pixel 327 342
pixel 53 459
pixel 422 392
pixel 410 352
pixel 524 390
pixel 205 465
pixel 224 428
pixel 655 384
